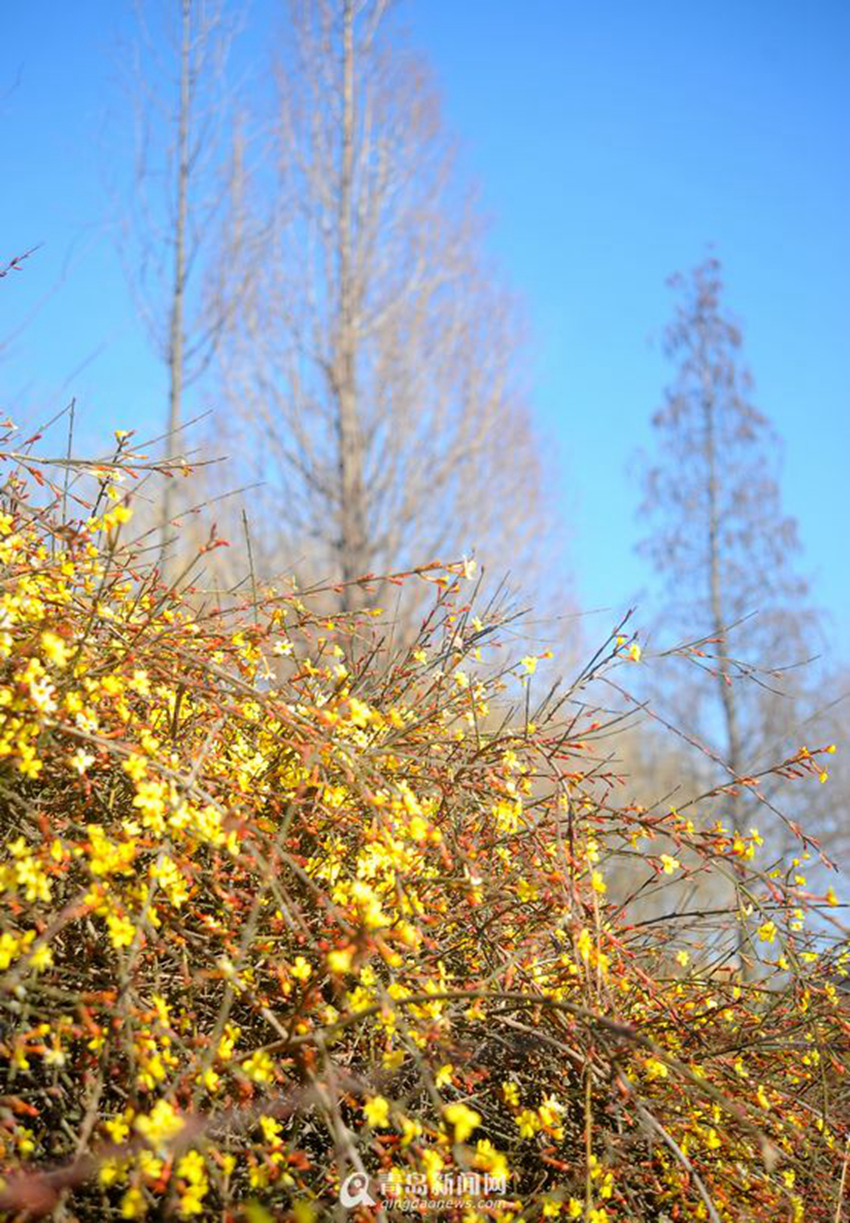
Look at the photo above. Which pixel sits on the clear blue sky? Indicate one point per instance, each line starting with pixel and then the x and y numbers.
pixel 612 143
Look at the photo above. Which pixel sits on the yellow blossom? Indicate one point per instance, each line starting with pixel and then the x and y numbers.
pixel 377 1112
pixel 464 1120
pixel 444 1075
pixel 259 1067
pixel 159 1126
pixel 528 1123
pixel 301 970
pixel 339 962
pixel 132 1204
pixel 135 767
pixel 511 1093
pixel 55 649
pixel 117 1129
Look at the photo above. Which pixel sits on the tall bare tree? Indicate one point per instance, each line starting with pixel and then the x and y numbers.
pixel 374 366
pixel 180 105
pixel 720 539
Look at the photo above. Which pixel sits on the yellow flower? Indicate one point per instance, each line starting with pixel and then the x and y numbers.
pixel 121 930
pixel 41 958
pixel 259 1067
pixel 635 652
pixel 411 1130
pixel 170 878
pixel 584 944
pixel 150 801
pixel 228 1042
pixel 511 1093
pixel 377 1112
pixel 339 962
pixel 117 516
pixel 132 1204
pixel 530 664
pixel 683 957
pixel 528 1123
pixel 135 767
pixel 444 1075
pixel 359 712
pixel 271 1129
pixel 160 1125
pixel 210 1080
pixel 117 1129
pixel 491 1160
pixel 669 864
pixel 54 648
pixel 140 683
pixel 464 1120
pixel 191 1167
pixel 301 970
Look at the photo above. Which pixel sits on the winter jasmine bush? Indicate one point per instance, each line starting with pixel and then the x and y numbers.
pixel 280 902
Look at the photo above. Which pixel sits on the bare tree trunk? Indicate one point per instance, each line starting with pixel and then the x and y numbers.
pixel 352 524
pixel 176 325
pixel 720 627
pixel 182 107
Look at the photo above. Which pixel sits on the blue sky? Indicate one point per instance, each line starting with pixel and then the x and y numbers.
pixel 612 144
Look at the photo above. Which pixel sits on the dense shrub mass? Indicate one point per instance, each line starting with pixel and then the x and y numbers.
pixel 281 903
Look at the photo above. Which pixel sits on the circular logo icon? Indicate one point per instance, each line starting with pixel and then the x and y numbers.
pixel 354 1191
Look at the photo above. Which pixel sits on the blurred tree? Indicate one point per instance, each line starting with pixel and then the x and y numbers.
pixel 374 364
pixel 722 543
pixel 180 107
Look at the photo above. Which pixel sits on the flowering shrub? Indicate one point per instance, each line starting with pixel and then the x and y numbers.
pixel 280 903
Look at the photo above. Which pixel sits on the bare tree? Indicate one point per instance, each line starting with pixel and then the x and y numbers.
pixel 721 541
pixel 180 105
pixel 373 366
